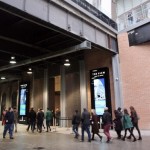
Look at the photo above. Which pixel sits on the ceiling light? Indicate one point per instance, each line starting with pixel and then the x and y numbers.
pixel 13 60
pixel 67 63
pixel 29 71
pixel 3 78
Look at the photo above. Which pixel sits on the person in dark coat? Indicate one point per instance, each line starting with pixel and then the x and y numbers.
pixel 107 121
pixel 85 124
pixel 75 122
pixel 31 119
pixel 9 123
pixel 40 116
pixel 94 124
pixel 118 123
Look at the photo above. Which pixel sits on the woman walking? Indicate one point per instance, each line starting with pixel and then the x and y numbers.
pixel 94 123
pixel 127 124
pixel 134 119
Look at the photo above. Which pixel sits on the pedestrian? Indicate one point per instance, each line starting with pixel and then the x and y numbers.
pixel 118 123
pixel 94 124
pixel 134 118
pixel 107 122
pixel 9 123
pixel 40 116
pixel 32 119
pixel 75 122
pixel 127 124
pixel 15 118
pixel 85 119
pixel 49 117
pixel 3 116
pixel 57 116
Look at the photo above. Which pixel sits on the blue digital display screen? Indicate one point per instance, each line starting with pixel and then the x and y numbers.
pixel 99 95
pixel 23 99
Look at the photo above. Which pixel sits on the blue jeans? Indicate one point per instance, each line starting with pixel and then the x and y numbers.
pixel 87 129
pixel 9 127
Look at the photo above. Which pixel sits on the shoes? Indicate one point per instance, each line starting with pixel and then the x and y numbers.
pixel 11 137
pixel 89 140
pixel 129 137
pixel 123 139
pixel 140 138
pixel 134 140
pixel 81 140
pixel 92 139
pixel 16 131
pixel 3 137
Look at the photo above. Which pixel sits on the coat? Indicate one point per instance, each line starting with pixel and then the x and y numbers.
pixel 127 123
pixel 94 124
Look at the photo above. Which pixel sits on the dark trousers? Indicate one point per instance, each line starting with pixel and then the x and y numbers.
pixel 75 129
pixel 137 128
pixel 131 133
pixel 9 127
pixel 118 133
pixel 48 123
pixel 87 129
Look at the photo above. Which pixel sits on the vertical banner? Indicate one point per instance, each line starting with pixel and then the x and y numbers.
pixel 100 90
pixel 23 99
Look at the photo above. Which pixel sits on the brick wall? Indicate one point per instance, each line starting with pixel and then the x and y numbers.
pixel 135 74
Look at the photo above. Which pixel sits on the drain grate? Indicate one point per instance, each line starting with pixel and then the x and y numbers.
pixel 38 148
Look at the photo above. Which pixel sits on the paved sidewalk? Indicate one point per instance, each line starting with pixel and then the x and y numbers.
pixel 63 139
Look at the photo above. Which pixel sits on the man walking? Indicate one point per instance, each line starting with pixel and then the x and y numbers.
pixel 49 117
pixel 107 121
pixel 9 125
pixel 75 122
pixel 85 124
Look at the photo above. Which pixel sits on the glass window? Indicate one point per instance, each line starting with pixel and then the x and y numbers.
pixel 136 2
pixel 120 7
pixel 121 23
pixel 128 5
pixel 137 14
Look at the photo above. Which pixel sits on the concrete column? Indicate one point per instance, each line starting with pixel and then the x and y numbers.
pixel 45 90
pixel 83 89
pixel 32 92
pixel 63 96
pixel 117 82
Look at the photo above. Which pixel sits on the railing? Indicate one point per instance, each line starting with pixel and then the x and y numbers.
pixel 134 16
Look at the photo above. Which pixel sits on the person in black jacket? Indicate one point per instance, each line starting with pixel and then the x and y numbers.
pixel 32 119
pixel 9 125
pixel 85 124
pixel 75 122
pixel 118 123
pixel 107 121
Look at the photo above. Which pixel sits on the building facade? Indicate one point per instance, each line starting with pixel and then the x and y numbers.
pixel 133 42
pixel 57 30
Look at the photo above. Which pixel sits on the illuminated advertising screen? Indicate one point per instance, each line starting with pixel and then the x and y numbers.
pixel 100 92
pixel 23 99
pixel 99 95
